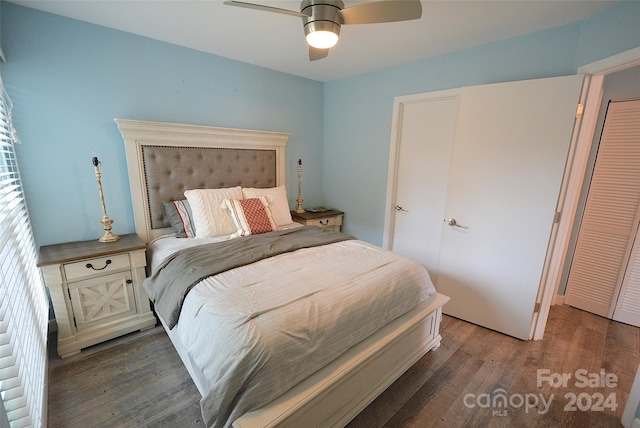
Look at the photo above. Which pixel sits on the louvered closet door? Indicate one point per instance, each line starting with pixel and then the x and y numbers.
pixel 610 221
pixel 628 306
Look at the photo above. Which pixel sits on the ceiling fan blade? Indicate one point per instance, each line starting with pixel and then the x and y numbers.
pixel 265 8
pixel 315 53
pixel 382 11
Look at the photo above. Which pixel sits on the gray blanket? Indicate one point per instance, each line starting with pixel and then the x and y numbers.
pixel 169 285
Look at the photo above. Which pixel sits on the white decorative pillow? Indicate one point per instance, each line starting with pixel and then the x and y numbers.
pixel 251 216
pixel 279 203
pixel 209 219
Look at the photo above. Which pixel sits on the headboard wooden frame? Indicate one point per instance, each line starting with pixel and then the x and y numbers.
pixel 183 139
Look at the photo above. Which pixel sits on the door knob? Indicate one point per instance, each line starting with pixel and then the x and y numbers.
pixel 453 222
pixel 399 208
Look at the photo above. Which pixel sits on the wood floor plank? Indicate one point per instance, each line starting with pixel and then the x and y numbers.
pixel 181 414
pixel 466 415
pixel 453 332
pixel 167 394
pixel 502 369
pixel 139 380
pixel 122 373
pixel 434 397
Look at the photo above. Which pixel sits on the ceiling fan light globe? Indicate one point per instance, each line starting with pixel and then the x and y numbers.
pixel 322 39
pixel 322 34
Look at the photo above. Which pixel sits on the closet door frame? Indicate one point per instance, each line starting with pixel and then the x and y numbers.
pixel 591 99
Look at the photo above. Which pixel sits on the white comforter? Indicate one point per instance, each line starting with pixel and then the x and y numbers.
pixel 256 331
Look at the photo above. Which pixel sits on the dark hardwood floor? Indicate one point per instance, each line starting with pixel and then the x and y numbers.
pixel 139 380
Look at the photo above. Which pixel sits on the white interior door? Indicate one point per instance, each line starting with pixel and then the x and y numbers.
pixel 427 129
pixel 509 151
pixel 509 158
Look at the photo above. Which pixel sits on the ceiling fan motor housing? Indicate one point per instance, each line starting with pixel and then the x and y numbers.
pixel 323 15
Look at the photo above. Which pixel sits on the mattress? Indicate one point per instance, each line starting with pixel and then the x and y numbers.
pixel 253 332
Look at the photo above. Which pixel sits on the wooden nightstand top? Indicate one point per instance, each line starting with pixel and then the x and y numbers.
pixel 72 251
pixel 308 215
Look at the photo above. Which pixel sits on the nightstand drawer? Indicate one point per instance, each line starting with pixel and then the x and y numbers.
pixel 325 222
pixel 98 266
pixel 330 219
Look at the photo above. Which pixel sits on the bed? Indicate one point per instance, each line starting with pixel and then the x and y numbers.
pixel 312 363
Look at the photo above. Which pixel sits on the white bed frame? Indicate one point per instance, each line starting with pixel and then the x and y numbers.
pixel 335 394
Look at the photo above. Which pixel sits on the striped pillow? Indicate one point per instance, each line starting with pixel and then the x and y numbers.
pixel 251 216
pixel 179 214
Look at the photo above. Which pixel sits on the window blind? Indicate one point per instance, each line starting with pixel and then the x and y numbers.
pixel 23 301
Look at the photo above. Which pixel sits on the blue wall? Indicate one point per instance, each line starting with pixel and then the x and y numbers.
pixel 615 30
pixel 68 80
pixel 358 110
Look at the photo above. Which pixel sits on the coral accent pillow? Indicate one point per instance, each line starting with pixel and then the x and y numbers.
pixel 278 202
pixel 251 216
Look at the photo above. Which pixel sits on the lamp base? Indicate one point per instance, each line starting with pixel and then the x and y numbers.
pixel 108 237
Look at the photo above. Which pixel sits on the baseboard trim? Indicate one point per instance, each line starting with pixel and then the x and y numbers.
pixel 558 300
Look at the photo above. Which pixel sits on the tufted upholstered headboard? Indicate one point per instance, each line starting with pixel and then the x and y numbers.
pixel 165 159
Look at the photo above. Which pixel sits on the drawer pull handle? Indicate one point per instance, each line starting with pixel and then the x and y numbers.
pixel 129 281
pixel 324 223
pixel 106 263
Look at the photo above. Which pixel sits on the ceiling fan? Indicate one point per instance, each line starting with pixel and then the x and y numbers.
pixel 322 18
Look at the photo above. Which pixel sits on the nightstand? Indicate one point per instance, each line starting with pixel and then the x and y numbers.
pixel 330 219
pixel 96 290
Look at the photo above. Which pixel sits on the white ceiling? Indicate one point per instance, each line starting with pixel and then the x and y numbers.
pixel 277 41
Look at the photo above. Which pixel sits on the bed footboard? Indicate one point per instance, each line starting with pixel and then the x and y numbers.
pixel 337 393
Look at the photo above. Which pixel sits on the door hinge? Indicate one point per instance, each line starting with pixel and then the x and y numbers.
pixel 556 217
pixel 579 110
pixel 537 307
